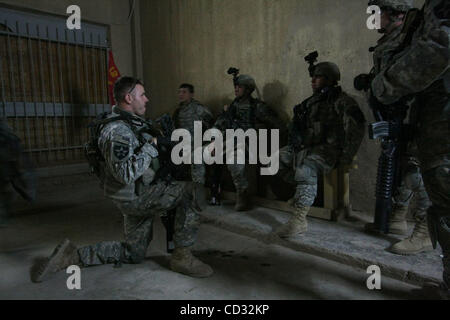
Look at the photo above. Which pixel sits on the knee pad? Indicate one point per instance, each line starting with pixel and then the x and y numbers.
pixel 413 180
pixel 305 174
pixel 403 195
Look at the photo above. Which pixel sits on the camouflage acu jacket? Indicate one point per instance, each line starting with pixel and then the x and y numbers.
pixel 127 160
pixel 186 114
pixel 329 125
pixel 246 113
pixel 423 62
pixel 421 70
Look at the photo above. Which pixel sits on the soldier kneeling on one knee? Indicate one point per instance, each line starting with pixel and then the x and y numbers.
pixel 129 148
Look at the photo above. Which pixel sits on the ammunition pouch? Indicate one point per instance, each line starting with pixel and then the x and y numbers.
pixel 433 225
pixel 438 226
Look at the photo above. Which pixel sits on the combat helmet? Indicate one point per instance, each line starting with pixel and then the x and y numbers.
pixel 246 81
pixel 329 70
pixel 398 5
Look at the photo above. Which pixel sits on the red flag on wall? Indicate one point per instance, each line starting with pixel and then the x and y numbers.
pixel 113 75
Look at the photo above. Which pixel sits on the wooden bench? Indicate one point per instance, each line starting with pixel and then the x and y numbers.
pixel 336 197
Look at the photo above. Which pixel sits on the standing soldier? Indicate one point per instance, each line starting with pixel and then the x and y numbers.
pixel 245 112
pixel 10 146
pixel 188 112
pixel 327 127
pixel 133 178
pixel 421 71
pixel 16 172
pixel 392 23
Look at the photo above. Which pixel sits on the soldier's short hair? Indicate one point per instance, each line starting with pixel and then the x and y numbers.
pixel 188 86
pixel 124 86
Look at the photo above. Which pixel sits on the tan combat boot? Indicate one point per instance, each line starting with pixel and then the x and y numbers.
pixel 242 201
pixel 184 262
pixel 397 222
pixel 64 255
pixel 296 226
pixel 419 241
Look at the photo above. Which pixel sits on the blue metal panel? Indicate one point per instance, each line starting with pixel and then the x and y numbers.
pixel 44 27
pixel 48 109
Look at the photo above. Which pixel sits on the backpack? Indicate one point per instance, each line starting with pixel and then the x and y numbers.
pixel 91 150
pixel 93 153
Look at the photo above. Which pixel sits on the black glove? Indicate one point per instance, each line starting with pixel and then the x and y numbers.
pixel 363 82
pixel 165 142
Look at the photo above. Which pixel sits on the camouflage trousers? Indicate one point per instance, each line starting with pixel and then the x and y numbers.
pixel 138 216
pixel 412 185
pixel 437 182
pixel 198 172
pixel 307 169
pixel 238 172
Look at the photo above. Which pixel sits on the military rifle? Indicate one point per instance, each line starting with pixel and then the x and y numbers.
pixel 216 186
pixel 167 126
pixel 393 134
pixel 391 130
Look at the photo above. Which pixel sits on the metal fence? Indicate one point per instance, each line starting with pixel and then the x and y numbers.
pixel 53 82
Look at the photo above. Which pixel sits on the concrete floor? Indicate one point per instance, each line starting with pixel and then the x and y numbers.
pixel 244 268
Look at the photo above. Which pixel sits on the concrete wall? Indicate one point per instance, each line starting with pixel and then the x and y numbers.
pixel 197 40
pixel 110 12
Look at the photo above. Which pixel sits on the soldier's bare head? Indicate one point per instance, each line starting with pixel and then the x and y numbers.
pixel 130 95
pixel 186 93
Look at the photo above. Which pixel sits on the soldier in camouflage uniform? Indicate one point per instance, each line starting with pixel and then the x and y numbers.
pixel 131 167
pixel 393 13
pixel 188 112
pixel 16 172
pixel 421 70
pixel 318 130
pixel 7 159
pixel 245 112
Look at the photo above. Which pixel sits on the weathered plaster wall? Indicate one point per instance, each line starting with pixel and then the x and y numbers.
pixel 196 41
